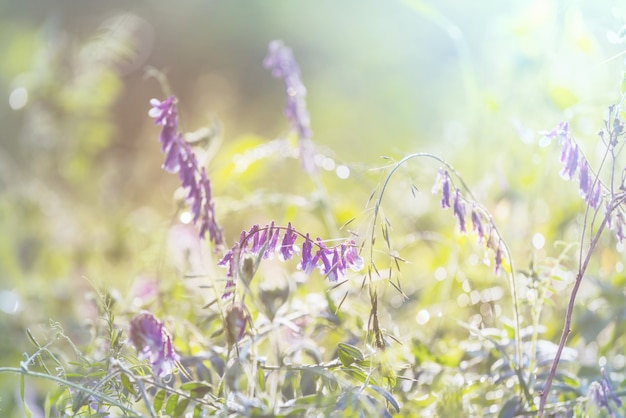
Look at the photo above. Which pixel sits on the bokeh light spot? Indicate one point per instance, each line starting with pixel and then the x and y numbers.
pixel 422 317
pixel 440 274
pixel 343 172
pixel 18 98
pixel 538 241
pixel 328 164
pixel 185 217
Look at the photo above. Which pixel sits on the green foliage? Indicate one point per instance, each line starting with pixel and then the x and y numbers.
pixel 425 330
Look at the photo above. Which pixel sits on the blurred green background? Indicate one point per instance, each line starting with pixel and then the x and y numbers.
pixel 82 194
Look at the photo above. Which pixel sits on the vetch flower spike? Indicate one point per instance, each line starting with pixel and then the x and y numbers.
pixel 332 262
pixel 618 224
pixel 443 183
pixel 180 158
pixel 459 210
pixel 569 157
pixel 477 225
pixel 281 62
pixel 153 343
pixel 589 186
pixel 601 393
pixel 584 182
pixel 481 223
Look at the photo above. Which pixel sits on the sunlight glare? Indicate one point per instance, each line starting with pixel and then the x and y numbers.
pixel 185 217
pixel 343 172
pixel 422 317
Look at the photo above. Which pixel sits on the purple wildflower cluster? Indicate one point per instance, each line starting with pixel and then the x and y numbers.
pixel 600 392
pixel 180 158
pixel 333 262
pixel 153 343
pixel 281 61
pixel 589 185
pixel 482 225
pixel 573 160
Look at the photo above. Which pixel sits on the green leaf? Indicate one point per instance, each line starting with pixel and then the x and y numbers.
pixel 32 339
pixel 171 404
pixel 509 408
pixel 389 375
pixel 26 410
pixel 217 333
pixel 128 384
pixel 308 382
pixel 388 396
pixel 197 411
pixel 157 404
pixel 348 354
pixel 356 373
pixel 47 405
pixel 197 389
pixel 260 378
pixel 181 407
pixel 313 400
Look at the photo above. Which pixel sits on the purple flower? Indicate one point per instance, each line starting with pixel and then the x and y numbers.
pixel 596 395
pixel 273 243
pixel 584 182
pixel 480 224
pixel 590 189
pixel 569 157
pixel 477 225
pixel 165 115
pixel 153 343
pixel 600 392
pixel 351 256
pixel 561 131
pixel 606 384
pixel 498 258
pixel 180 158
pixel 618 224
pixel 281 61
pixel 288 247
pixel 443 183
pixel 332 262
pixel 306 263
pixel 164 112
pixel 172 156
pixel 256 242
pixel 459 210
pixel 594 198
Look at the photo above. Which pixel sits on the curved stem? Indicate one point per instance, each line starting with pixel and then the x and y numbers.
pixel 568 316
pixel 68 383
pixel 570 307
pixel 511 273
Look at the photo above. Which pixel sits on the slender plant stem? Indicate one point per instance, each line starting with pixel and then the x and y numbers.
pixel 63 382
pixel 568 316
pixel 512 280
pixel 615 202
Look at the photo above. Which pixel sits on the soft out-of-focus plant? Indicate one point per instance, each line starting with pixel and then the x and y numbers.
pixel 604 208
pixel 266 345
